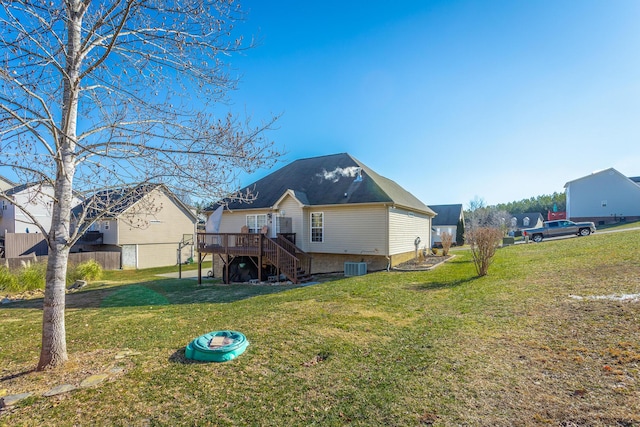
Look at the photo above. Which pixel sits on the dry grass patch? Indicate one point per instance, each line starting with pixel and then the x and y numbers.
pixel 417 348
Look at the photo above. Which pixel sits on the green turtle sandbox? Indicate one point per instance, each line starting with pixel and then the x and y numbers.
pixel 217 346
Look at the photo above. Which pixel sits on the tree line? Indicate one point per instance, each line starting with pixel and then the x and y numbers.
pixel 555 202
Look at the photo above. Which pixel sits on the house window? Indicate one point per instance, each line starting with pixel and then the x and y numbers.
pixel 317 227
pixel 526 221
pixel 256 222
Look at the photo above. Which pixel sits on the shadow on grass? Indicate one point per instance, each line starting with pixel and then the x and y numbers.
pixel 157 293
pixel 18 375
pixel 442 285
pixel 179 357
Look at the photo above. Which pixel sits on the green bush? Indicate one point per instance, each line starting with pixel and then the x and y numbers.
pixel 88 271
pixel 32 276
pixel 8 281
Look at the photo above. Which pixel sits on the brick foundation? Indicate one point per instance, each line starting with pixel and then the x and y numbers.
pixel 327 263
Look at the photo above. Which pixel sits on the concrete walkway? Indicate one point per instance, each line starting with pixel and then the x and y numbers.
pixel 186 274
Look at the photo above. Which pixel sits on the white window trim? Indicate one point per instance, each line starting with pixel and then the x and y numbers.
pixel 311 227
pixel 258 224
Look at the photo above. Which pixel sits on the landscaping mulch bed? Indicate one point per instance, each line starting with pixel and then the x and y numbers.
pixel 423 263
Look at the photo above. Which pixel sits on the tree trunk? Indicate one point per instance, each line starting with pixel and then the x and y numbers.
pixel 54 340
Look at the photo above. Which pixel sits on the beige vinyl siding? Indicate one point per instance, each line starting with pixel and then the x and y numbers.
pixel 348 229
pixel 232 222
pixel 404 227
pixel 167 225
pixel 293 210
pixel 159 255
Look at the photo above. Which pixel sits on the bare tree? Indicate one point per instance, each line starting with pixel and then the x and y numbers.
pixel 485 227
pixel 98 95
pixel 484 242
pixel 447 240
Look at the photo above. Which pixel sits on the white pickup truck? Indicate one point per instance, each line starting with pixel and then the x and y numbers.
pixel 561 227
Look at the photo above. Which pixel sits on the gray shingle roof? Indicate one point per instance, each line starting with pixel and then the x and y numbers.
pixel 534 217
pixel 116 201
pixel 336 179
pixel 447 214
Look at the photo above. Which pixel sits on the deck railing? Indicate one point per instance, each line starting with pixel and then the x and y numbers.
pixel 285 261
pixel 282 253
pixel 304 259
pixel 229 242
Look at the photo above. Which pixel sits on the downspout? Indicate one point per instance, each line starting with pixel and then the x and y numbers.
pixel 388 240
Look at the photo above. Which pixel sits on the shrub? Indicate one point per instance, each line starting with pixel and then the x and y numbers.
pixel 32 276
pixel 90 270
pixel 447 241
pixel 8 281
pixel 460 233
pixel 484 242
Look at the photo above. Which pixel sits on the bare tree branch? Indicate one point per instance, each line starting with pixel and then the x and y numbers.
pixel 117 96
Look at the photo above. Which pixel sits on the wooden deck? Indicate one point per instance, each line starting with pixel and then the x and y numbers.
pixel 280 252
pixel 236 244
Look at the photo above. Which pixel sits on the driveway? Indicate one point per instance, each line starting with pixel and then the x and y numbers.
pixel 605 231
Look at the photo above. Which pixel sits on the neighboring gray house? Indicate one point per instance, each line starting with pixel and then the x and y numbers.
pixel 603 197
pixel 338 209
pixel 448 218
pixel 526 220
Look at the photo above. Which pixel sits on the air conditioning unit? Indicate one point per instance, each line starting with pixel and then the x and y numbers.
pixel 355 268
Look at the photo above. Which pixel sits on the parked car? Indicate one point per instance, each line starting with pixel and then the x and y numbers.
pixel 560 227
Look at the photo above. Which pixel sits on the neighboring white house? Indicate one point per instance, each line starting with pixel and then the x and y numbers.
pixel 339 211
pixel 603 197
pixel 526 220
pixel 448 219
pixel 24 204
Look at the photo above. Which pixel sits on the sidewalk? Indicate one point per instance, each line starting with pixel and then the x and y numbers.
pixel 186 274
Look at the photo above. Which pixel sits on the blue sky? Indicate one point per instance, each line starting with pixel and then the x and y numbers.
pixel 501 100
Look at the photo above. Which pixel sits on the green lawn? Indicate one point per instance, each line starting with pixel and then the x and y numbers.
pixel 391 349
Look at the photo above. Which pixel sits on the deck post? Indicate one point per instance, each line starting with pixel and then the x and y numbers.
pixel 260 257
pixel 199 268
pixel 226 269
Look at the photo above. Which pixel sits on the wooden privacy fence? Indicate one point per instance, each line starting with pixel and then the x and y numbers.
pixel 108 260
pixel 21 244
pixel 22 247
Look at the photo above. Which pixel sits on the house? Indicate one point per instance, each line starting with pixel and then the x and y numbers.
pixel 525 220
pixel 146 224
pixel 333 208
pixel 24 205
pixel 21 207
pixel 603 197
pixel 5 184
pixel 450 219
